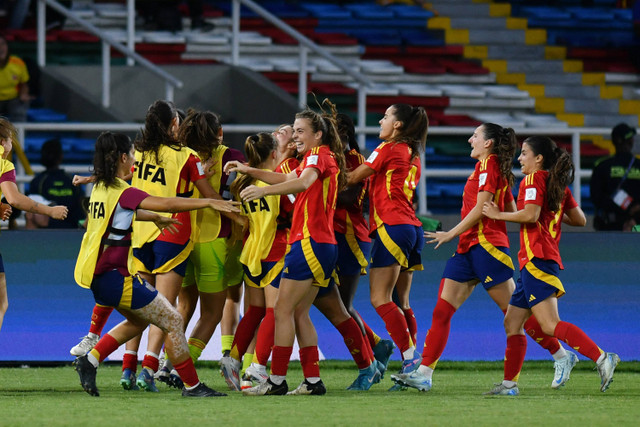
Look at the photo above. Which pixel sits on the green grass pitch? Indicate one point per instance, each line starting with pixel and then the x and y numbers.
pixel 52 396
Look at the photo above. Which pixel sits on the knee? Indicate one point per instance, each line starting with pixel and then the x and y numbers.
pixel 175 322
pixel 4 306
pixel 378 300
pixel 548 328
pixel 511 326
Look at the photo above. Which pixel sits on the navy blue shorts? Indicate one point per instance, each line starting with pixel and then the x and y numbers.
pixel 270 275
pixel 538 281
pixel 490 266
pixel 112 289
pixel 352 255
pixel 162 257
pixel 398 244
pixel 310 260
pixel 1 264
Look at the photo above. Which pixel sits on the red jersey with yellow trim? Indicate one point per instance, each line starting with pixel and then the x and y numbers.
pixel 287 201
pixel 540 239
pixel 393 185
pixel 350 220
pixel 315 207
pixel 485 177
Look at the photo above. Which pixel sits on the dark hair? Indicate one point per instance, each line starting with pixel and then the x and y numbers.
pixel 157 129
pixel 504 146
pixel 108 149
pixel 51 153
pixel 558 162
pixel 327 124
pixel 7 129
pixel 415 126
pixel 257 148
pixel 200 131
pixel 346 130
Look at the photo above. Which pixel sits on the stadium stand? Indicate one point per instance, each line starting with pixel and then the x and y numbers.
pixel 519 63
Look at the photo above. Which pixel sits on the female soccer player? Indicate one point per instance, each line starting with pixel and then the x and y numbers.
pixel 206 277
pixel 164 167
pixel 312 258
pixel 394 167
pixel 262 253
pixel 482 255
pixel 544 203
pixel 354 245
pixel 104 263
pixel 285 152
pixel 9 189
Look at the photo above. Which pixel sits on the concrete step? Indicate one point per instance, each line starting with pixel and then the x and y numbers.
pixel 497 37
pixel 581 92
pixel 551 78
pixel 593 106
pixel 609 120
pixel 491 103
pixel 502 51
pixel 535 66
pixel 479 23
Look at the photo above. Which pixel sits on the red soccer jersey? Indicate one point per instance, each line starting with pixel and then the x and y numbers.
pixel 540 239
pixel 350 220
pixel 191 172
pixel 315 207
pixel 393 185
pixel 485 177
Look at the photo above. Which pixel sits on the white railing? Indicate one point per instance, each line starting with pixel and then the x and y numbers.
pixel 431 171
pixel 107 42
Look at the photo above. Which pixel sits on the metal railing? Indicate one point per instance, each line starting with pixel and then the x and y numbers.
pixel 463 132
pixel 171 82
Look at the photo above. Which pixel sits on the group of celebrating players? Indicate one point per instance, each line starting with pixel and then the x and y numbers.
pixel 297 236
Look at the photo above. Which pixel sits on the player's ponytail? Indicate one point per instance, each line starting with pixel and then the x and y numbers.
pixel 108 149
pixel 157 130
pixel 414 129
pixel 558 163
pixel 326 123
pixel 257 147
pixel 504 146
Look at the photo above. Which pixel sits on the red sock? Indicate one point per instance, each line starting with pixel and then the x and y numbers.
pixel 396 325
pixel 99 318
pixel 106 346
pixel 130 361
pixel 372 337
pixel 280 360
pixel 577 340
pixel 514 357
pixel 438 334
pixel 411 324
pixel 534 330
pixel 246 330
pixel 355 342
pixel 187 372
pixel 150 362
pixel 310 361
pixel 264 341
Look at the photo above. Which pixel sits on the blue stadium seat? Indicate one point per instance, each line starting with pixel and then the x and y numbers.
pixel 45 115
